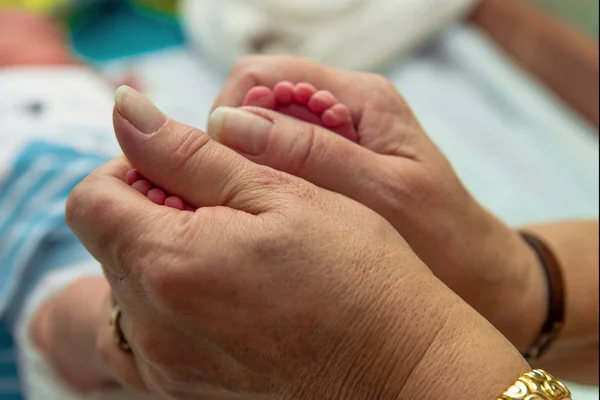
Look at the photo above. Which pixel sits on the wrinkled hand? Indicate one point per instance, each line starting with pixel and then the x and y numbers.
pixel 398 172
pixel 273 288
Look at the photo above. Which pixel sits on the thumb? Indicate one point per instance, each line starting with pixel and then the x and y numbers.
pixel 298 148
pixel 185 162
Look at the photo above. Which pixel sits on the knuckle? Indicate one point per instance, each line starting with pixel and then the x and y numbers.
pixel 237 181
pixel 88 205
pixel 190 141
pixel 254 189
pixel 83 201
pixel 244 64
pixel 292 191
pixel 269 177
pixel 75 202
pixel 167 287
pixel 176 271
pixel 289 184
pixel 380 82
pixel 388 98
pixel 302 148
pixel 152 346
pixel 249 67
pixel 246 69
pixel 305 191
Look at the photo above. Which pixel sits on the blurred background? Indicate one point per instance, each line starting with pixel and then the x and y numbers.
pixel 580 13
pixel 507 88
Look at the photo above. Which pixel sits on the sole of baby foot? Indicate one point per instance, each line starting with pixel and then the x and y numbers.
pixel 136 180
pixel 305 102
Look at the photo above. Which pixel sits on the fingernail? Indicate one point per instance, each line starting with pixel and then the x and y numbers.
pixel 240 130
pixel 138 110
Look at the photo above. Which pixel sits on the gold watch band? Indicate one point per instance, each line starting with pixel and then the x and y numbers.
pixel 538 385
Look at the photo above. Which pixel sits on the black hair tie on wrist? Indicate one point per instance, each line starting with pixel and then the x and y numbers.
pixel 555 319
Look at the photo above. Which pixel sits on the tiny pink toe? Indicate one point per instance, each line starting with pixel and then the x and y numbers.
pixel 174 202
pixel 157 196
pixel 339 119
pixel 142 186
pixel 260 96
pixel 337 115
pixel 321 101
pixel 132 176
pixel 303 92
pixel 284 92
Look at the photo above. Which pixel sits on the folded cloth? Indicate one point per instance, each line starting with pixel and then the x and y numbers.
pixel 349 34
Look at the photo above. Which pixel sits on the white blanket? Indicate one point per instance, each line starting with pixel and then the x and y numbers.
pixel 349 34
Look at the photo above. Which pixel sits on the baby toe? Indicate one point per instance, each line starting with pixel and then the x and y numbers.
pixel 189 207
pixel 132 176
pixel 336 116
pixel 157 196
pixel 142 186
pixel 260 96
pixel 303 92
pixel 321 101
pixel 284 92
pixel 174 202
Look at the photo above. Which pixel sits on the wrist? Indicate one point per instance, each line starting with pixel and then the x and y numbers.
pixel 522 296
pixel 440 348
pixel 385 345
pixel 468 359
pixel 485 262
pixel 508 285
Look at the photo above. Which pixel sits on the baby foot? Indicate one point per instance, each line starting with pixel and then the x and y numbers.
pixel 305 102
pixel 302 101
pixel 136 180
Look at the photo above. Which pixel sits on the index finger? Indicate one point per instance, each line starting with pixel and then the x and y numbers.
pixel 107 215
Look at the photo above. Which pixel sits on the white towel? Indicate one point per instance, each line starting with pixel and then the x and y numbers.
pixel 349 34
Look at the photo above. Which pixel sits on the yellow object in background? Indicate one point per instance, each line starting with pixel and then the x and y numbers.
pixel 163 6
pixel 47 7
pixel 38 6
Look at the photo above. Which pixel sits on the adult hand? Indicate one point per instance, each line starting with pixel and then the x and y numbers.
pixel 398 172
pixel 273 288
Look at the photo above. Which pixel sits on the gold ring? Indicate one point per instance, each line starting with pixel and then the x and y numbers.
pixel 115 318
pixel 537 384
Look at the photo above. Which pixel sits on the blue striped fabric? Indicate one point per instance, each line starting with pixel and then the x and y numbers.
pixel 9 382
pixel 34 238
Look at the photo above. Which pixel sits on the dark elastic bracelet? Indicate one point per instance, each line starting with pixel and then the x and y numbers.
pixel 555 319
